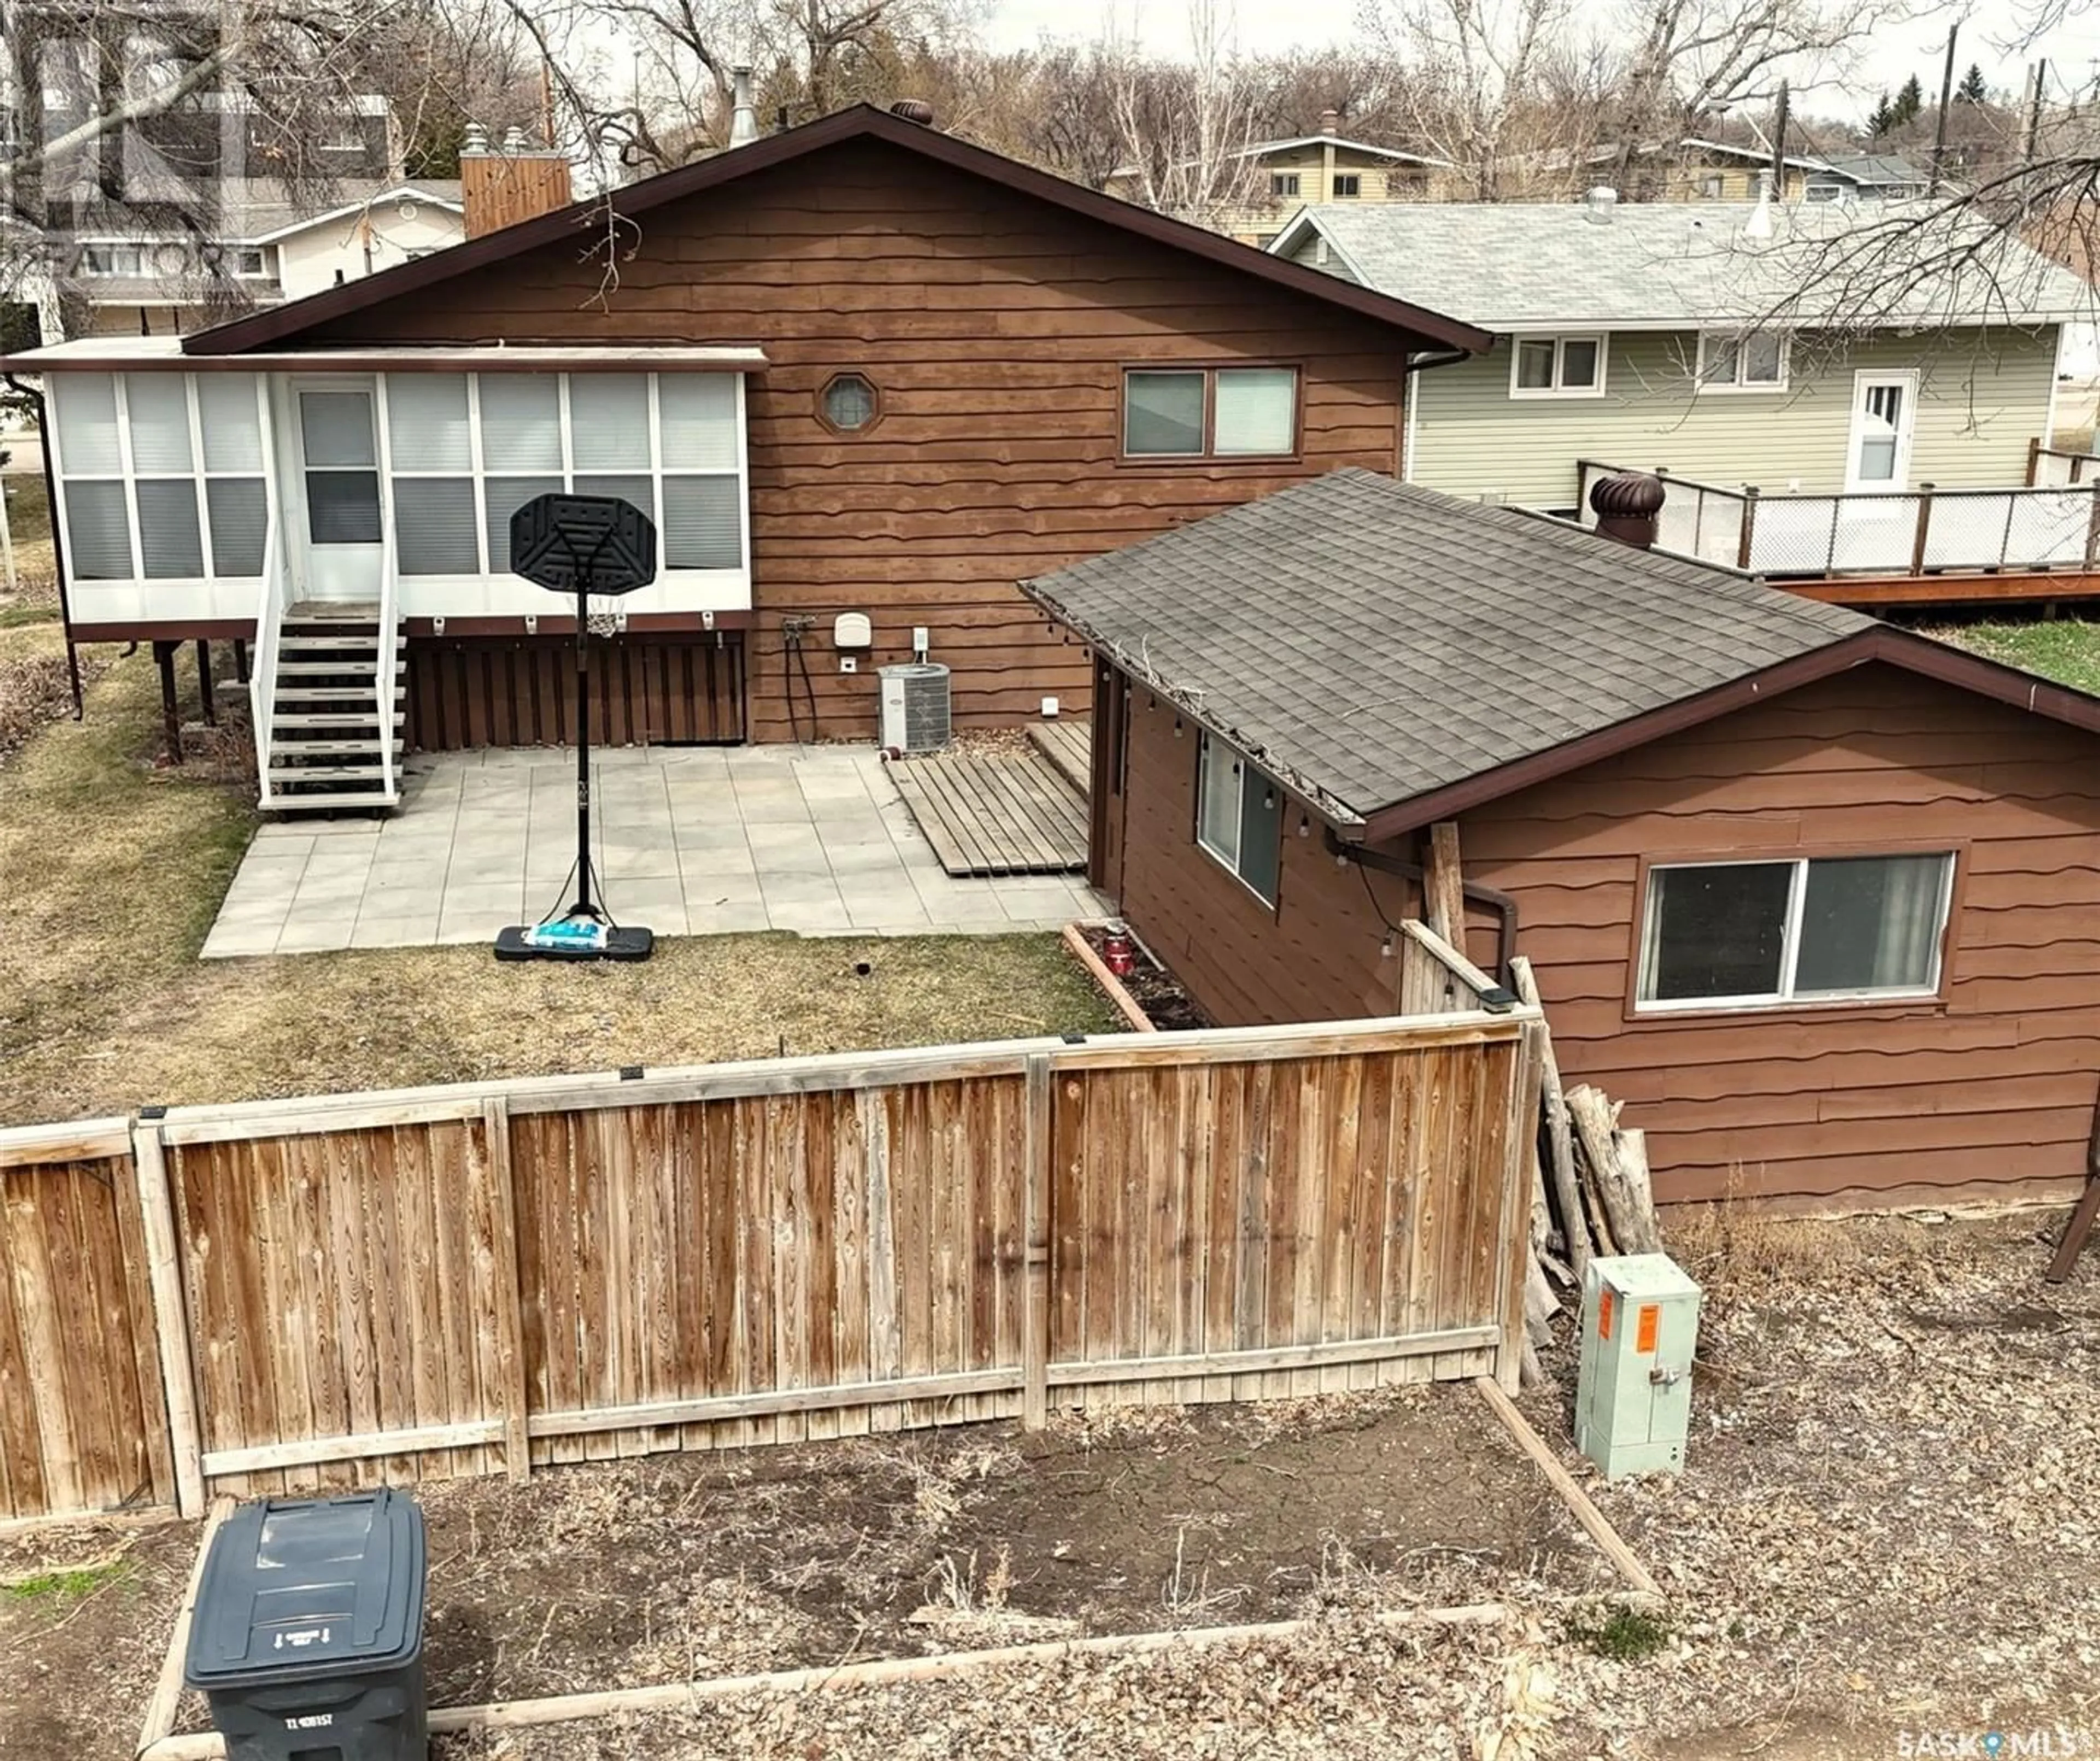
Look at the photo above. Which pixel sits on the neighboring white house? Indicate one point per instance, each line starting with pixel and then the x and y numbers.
pixel 1803 350
pixel 262 247
pixel 391 226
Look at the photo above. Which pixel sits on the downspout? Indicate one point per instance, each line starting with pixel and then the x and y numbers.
pixel 58 547
pixel 1493 898
pixel 1409 428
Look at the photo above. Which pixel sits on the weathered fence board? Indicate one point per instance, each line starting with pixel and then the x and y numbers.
pixel 81 1424
pixel 475 1280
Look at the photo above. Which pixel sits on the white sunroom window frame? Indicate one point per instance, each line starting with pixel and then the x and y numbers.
pixel 1739 387
pixel 200 477
pixel 738 471
pixel 1789 995
pixel 1560 340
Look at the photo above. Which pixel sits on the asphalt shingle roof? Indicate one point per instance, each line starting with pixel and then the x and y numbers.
pixel 1507 266
pixel 1368 641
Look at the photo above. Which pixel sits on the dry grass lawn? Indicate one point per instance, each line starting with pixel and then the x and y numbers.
pixel 113 870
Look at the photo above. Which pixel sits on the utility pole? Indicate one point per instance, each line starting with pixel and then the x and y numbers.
pixel 1779 146
pixel 1946 98
pixel 2034 112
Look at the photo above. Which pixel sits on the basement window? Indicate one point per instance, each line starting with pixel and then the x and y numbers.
pixel 1818 929
pixel 1239 817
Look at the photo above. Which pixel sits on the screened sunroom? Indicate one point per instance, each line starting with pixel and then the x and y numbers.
pixel 181 491
pixel 325 508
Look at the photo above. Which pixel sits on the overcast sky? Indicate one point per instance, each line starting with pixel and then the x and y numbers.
pixel 1269 25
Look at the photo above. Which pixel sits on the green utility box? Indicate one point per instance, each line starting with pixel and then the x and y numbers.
pixel 1633 1390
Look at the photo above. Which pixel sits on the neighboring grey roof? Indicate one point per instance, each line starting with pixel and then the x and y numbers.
pixel 1876 171
pixel 1511 265
pixel 1368 641
pixel 1337 141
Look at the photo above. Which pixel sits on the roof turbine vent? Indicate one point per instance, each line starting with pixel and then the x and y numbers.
pixel 914 110
pixel 1600 203
pixel 1626 506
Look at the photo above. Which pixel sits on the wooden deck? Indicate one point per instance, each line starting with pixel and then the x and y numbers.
pixel 995 810
pixel 1886 593
pixel 1070 746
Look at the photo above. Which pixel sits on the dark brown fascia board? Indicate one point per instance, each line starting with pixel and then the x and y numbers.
pixel 1900 648
pixel 285 323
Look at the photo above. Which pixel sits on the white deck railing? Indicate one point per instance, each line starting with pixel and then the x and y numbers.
pixel 1925 531
pixel 383 674
pixel 273 601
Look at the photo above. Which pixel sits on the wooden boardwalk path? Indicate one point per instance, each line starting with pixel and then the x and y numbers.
pixel 995 810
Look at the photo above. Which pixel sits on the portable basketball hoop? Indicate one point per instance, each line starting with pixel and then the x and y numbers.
pixel 598 548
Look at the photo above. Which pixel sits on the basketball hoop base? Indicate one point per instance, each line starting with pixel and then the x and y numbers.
pixel 630 942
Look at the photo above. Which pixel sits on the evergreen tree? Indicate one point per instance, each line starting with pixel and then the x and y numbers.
pixel 1971 90
pixel 1883 118
pixel 1909 102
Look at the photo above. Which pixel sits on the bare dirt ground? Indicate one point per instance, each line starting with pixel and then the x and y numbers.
pixel 1888 1526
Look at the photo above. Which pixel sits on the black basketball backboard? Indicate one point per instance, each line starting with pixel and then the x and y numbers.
pixel 599 544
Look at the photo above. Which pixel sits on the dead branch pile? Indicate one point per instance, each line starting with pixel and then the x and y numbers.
pixel 1593 1195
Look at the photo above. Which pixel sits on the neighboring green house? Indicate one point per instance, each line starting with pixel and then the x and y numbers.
pixel 1809 350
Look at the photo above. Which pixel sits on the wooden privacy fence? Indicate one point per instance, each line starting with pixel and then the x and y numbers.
pixel 479 1279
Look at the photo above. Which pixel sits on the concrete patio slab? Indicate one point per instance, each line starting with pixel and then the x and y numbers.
pixel 692 841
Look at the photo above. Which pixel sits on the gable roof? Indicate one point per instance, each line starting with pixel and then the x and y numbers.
pixel 1516 266
pixel 1394 655
pixel 289 322
pixel 435 192
pixel 1875 170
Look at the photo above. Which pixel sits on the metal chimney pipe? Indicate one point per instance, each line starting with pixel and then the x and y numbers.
pixel 744 113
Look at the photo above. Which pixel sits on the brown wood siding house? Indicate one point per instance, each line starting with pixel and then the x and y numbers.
pixel 992 310
pixel 1873 743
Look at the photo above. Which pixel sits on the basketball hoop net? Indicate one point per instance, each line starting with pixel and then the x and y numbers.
pixel 604 615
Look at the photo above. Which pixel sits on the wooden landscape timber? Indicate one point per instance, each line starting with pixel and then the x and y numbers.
pixel 288 1295
pixel 672 1697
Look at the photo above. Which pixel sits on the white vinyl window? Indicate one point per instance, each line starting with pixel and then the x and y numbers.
pixel 1558 366
pixel 112 259
pixel 467 450
pixel 1239 816
pixel 162 475
pixel 1812 929
pixel 1750 360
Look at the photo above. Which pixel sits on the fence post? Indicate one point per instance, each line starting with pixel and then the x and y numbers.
pixel 1442 886
pixel 1924 528
pixel 1520 1174
pixel 170 1313
pixel 1035 1282
pixel 2034 459
pixel 1749 523
pixel 509 1297
pixel 2092 527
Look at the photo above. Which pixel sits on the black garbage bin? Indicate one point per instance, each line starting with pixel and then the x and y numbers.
pixel 308 1635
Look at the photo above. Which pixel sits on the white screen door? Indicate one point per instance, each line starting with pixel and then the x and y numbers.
pixel 1883 406
pixel 339 481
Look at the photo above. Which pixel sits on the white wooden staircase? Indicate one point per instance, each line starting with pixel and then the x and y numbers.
pixel 332 665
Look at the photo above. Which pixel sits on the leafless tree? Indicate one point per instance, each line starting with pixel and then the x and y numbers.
pixel 1186 127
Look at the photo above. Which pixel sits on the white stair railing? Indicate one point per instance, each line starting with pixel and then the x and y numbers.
pixel 384 674
pixel 271 603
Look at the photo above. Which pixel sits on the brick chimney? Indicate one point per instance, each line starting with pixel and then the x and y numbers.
pixel 1330 121
pixel 1626 506
pixel 500 185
